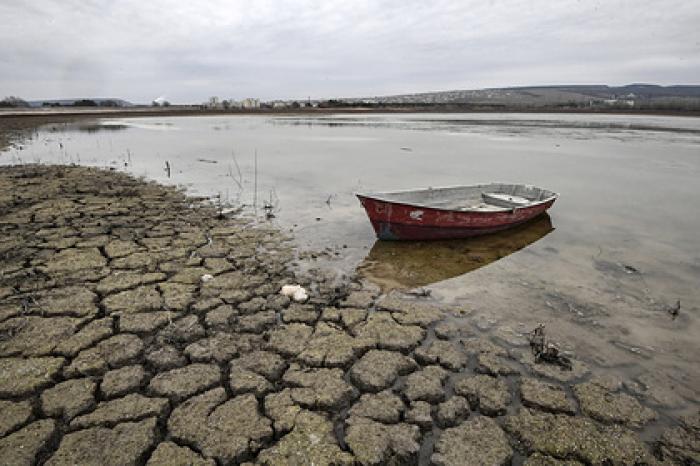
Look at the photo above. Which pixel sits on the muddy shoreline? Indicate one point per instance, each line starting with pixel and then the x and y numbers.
pixel 137 326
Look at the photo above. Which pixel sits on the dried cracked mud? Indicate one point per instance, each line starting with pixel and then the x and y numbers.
pixel 138 327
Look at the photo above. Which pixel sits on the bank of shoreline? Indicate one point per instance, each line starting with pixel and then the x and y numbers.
pixel 94 112
pixel 138 325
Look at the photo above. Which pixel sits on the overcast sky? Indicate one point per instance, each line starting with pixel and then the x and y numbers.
pixel 189 50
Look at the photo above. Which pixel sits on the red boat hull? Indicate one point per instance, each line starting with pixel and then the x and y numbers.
pixel 396 221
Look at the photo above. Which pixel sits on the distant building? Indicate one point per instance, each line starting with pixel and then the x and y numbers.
pixel 619 102
pixel 250 103
pixel 279 104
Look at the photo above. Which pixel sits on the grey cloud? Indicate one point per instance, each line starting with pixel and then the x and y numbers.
pixel 276 49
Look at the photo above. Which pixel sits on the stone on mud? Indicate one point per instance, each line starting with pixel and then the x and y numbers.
pixel 111 353
pixel 382 407
pixel 681 444
pixel 217 265
pixel 69 398
pixel 269 365
pixel 479 345
pixel 538 459
pixel 331 346
pixel 76 301
pixel 311 441
pixel 189 275
pixel 120 248
pixel 374 443
pixel 446 353
pixel 165 357
pixel 388 334
pixel 256 323
pixel 580 438
pixel 124 444
pixel 35 336
pixel 171 454
pixel 491 364
pixel 234 280
pixel 141 299
pixel 281 408
pixel 121 381
pixel 447 330
pixel 252 306
pixel 350 317
pixel 227 431
pixel 129 408
pixel 22 447
pixel 358 299
pixel 452 411
pixel 220 347
pixel 276 302
pixel 137 260
pixel 14 414
pixel 207 304
pixel 479 439
pixel 545 396
pixel 19 377
pixel 73 259
pixel 318 388
pixel 145 322
pixel 176 296
pixel 306 314
pixel 221 317
pixel 606 406
pixel 378 369
pixel 553 371
pixel 289 339
pixel 488 394
pixel 87 336
pixel 419 414
pixel 120 281
pixel 426 384
pixel 184 330
pixel 245 381
pixel 410 310
pixel 184 382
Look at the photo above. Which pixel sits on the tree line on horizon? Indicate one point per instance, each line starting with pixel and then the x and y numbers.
pixel 655 104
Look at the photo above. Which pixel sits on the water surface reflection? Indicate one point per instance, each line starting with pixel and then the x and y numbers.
pixel 410 264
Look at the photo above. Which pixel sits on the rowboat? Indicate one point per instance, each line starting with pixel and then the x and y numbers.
pixel 454 212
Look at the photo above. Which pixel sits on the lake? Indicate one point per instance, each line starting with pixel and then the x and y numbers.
pixel 618 250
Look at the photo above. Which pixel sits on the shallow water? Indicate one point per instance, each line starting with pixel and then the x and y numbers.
pixel 619 248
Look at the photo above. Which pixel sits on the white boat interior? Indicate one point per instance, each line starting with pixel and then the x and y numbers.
pixel 494 197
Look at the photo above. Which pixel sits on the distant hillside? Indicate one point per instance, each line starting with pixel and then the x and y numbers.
pixel 633 95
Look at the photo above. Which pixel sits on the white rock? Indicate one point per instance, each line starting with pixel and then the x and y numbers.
pixel 300 295
pixel 296 292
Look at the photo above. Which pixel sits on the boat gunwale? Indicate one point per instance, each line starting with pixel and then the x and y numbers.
pixel 376 197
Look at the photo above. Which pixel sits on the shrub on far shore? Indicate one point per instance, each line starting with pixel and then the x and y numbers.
pixel 13 102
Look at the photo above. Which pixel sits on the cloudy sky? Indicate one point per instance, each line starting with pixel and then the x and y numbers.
pixel 189 50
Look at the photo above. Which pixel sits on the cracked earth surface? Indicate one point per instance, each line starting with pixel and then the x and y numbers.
pixel 137 327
